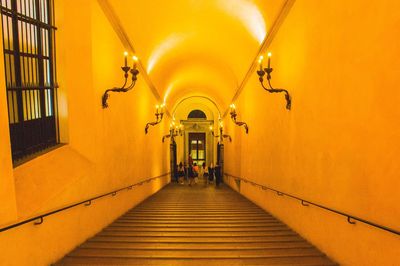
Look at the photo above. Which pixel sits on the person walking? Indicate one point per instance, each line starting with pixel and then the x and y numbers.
pixel 205 173
pixel 181 173
pixel 191 174
pixel 210 173
pixel 217 171
pixel 196 172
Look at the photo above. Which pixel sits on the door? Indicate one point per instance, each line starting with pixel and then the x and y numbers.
pixel 197 147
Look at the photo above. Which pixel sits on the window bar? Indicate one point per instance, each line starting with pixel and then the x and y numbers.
pixel 18 139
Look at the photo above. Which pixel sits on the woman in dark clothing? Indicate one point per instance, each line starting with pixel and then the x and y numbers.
pixel 191 175
pixel 217 171
pixel 210 173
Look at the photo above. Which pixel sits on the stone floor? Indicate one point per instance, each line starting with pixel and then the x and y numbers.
pixel 198 225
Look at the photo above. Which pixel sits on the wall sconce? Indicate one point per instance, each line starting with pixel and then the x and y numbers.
pixel 221 135
pixel 234 115
pixel 126 69
pixel 261 72
pixel 174 131
pixel 159 116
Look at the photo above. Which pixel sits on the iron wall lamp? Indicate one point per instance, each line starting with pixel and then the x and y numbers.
pixel 174 131
pixel 126 69
pixel 221 135
pixel 261 72
pixel 159 116
pixel 234 115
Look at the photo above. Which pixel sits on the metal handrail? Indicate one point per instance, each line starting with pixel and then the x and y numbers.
pixel 350 218
pixel 40 218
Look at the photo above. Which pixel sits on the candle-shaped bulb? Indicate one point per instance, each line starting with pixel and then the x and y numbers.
pixel 260 61
pixel 211 128
pixel 135 60
pixel 126 58
pixel 269 59
pixel 157 109
pixel 233 107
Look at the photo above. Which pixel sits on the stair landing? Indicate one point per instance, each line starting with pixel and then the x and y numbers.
pixel 198 225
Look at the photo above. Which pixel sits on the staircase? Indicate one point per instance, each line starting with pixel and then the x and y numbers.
pixel 198 225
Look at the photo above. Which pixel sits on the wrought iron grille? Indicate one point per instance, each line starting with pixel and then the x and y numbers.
pixel 29 60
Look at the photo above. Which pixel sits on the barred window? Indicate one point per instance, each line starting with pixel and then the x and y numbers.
pixel 29 59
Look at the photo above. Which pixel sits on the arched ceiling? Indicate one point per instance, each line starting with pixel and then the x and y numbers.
pixel 196 47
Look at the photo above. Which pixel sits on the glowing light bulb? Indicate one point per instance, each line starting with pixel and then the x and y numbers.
pixel 126 58
pixel 269 59
pixel 135 60
pixel 260 60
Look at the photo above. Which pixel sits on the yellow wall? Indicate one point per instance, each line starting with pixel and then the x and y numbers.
pixel 7 189
pixel 339 146
pixel 107 148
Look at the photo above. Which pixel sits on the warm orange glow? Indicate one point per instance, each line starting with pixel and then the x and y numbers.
pixel 180 52
pixel 260 59
pixel 249 14
pixel 269 54
pixel 135 58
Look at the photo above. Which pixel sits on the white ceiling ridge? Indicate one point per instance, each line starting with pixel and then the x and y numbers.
pixel 286 7
pixel 120 31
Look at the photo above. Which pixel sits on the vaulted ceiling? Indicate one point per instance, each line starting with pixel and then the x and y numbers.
pixel 196 47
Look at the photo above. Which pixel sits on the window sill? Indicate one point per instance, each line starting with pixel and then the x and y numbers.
pixel 32 156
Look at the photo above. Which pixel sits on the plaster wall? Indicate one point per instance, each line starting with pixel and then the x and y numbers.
pixel 339 145
pixel 105 149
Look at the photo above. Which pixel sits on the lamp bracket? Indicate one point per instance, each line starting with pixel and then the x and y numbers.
pixel 134 72
pixel 271 89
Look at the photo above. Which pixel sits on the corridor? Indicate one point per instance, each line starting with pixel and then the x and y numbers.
pixel 292 104
pixel 199 225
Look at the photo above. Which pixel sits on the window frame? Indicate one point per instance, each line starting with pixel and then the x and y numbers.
pixel 30 72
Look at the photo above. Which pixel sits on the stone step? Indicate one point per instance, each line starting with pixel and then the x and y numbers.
pixel 193 229
pixel 210 253
pixel 300 261
pixel 198 233
pixel 221 239
pixel 195 246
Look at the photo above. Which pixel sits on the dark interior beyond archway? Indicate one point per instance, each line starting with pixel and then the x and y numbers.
pixel 197 114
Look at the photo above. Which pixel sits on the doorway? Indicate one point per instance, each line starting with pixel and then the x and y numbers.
pixel 197 147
